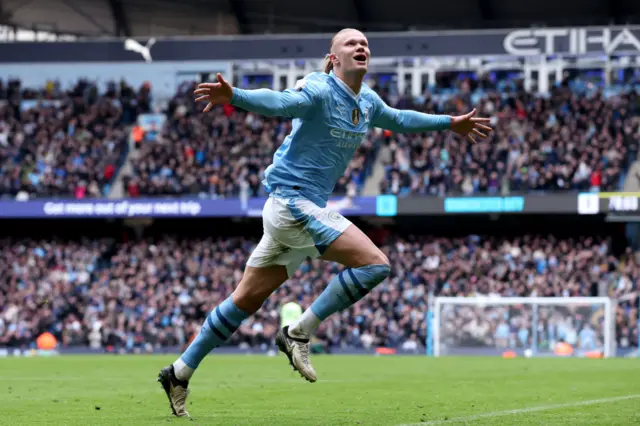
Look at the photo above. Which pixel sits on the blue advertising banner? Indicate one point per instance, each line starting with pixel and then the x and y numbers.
pixel 484 205
pixel 621 204
pixel 160 207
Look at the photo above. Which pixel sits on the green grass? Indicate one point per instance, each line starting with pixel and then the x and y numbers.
pixel 256 390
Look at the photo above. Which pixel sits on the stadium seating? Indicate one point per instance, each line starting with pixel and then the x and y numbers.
pixel 64 144
pixel 568 141
pixel 220 154
pixel 153 294
pixel 540 144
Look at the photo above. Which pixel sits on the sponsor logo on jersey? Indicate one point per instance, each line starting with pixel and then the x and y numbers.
pixel 347 138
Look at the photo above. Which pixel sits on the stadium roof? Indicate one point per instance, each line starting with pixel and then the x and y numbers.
pixel 215 17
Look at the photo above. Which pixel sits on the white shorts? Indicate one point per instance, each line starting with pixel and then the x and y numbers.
pixel 294 229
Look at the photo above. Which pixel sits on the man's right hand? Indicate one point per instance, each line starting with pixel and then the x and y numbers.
pixel 219 93
pixel 470 126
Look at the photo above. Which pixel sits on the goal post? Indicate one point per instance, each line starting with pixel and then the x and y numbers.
pixel 627 310
pixel 517 326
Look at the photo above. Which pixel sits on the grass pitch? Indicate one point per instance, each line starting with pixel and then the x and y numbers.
pixel 258 390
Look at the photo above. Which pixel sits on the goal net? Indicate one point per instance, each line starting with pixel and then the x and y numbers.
pixel 522 326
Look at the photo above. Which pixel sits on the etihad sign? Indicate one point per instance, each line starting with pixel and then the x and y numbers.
pixel 572 41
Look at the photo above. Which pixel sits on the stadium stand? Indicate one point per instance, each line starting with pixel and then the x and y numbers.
pixel 570 141
pixel 98 255
pixel 153 293
pixel 224 153
pixel 65 143
pixel 220 154
pixel 62 143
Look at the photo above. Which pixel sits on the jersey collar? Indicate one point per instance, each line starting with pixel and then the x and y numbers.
pixel 345 87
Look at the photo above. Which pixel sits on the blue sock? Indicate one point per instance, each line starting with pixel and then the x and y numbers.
pixel 347 288
pixel 220 324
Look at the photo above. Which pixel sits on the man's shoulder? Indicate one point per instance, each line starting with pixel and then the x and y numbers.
pixel 315 82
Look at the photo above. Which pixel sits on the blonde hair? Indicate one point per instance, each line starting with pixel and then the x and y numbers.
pixel 328 64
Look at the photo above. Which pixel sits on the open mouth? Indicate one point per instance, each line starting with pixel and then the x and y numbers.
pixel 360 57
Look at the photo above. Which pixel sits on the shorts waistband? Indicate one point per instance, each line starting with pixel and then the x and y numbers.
pixel 281 189
pixel 295 191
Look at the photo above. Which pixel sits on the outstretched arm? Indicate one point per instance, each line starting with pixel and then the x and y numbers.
pixel 406 121
pixel 268 102
pixel 290 103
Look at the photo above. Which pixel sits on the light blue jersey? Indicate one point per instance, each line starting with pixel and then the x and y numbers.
pixel 329 123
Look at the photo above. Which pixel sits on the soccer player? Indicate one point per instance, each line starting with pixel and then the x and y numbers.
pixel 332 112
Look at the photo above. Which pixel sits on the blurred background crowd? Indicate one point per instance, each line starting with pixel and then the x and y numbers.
pixel 144 294
pixel 155 292
pixel 74 143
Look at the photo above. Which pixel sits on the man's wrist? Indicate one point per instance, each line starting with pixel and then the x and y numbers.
pixel 234 95
pixel 451 121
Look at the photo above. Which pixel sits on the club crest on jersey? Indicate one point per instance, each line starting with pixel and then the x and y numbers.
pixel 355 116
pixel 334 216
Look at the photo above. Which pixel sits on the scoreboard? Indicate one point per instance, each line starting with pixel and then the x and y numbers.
pixel 621 206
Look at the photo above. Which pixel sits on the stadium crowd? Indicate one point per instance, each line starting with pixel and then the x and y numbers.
pixel 566 141
pixel 220 154
pixel 569 141
pixel 144 295
pixel 57 143
pixel 147 295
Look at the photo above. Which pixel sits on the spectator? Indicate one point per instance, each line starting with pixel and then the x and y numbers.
pixel 64 144
pixel 150 294
pixel 221 153
pixel 566 142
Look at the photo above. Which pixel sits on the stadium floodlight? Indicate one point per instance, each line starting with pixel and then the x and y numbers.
pixel 517 326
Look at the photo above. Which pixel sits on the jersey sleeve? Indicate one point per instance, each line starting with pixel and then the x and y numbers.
pixel 300 102
pixel 406 121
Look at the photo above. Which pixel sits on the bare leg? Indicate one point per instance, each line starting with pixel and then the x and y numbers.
pixel 366 266
pixel 354 249
pixel 256 285
pixel 254 288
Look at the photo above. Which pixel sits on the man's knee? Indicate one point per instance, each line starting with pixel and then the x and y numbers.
pixel 378 266
pixel 244 298
pixel 379 258
pixel 249 299
pixel 256 285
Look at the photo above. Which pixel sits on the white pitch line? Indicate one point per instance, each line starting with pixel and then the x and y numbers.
pixel 523 411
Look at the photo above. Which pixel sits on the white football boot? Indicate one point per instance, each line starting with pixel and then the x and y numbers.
pixel 297 350
pixel 176 390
